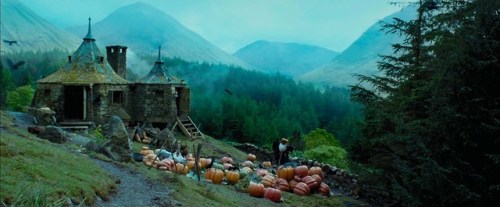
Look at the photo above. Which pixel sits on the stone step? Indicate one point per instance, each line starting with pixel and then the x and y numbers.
pixel 75 123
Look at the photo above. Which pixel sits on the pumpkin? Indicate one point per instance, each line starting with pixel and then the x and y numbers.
pixel 226 160
pixel 232 177
pixel 204 162
pixel 292 184
pixel 190 157
pixel 214 175
pixel 324 189
pixel 267 164
pixel 144 151
pixel 310 182
pixel 286 173
pixel 297 178
pixel 301 189
pixel 268 180
pixel 316 171
pixel 261 172
pixel 281 184
pixel 227 166
pixel 302 170
pixel 251 157
pixel 180 169
pixel 190 165
pixel 163 168
pixel 218 166
pixel 256 189
pixel 247 163
pixel 272 194
pixel 317 178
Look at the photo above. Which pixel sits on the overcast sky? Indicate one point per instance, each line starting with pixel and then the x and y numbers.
pixel 232 24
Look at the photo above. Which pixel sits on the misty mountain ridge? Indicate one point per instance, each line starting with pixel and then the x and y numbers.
pixel 24 30
pixel 143 28
pixel 360 57
pixel 287 58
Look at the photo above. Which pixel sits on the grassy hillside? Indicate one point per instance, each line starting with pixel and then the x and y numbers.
pixel 35 172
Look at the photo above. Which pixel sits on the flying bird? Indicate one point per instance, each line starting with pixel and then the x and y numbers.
pixel 228 92
pixel 13 65
pixel 10 42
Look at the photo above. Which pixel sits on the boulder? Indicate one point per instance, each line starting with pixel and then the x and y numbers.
pixel 163 136
pixel 54 134
pixel 42 115
pixel 118 143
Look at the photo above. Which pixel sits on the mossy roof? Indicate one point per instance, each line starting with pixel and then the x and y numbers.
pixel 87 66
pixel 160 74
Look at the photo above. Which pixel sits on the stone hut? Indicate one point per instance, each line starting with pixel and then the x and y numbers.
pixel 165 96
pixel 88 89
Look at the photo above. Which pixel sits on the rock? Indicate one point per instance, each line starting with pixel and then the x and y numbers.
pixel 118 143
pixel 54 134
pixel 151 131
pixel 36 129
pixel 163 136
pixel 43 115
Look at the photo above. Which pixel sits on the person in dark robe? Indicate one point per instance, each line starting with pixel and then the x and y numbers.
pixel 281 151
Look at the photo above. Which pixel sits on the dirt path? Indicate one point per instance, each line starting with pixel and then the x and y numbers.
pixel 134 189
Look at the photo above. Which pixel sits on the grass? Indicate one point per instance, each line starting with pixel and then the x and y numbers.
pixel 35 172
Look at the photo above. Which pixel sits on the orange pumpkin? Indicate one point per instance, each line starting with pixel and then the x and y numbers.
pixel 226 160
pixel 301 170
pixel 324 189
pixel 268 180
pixel 190 165
pixel 214 175
pixel 281 184
pixel 180 169
pixel 292 184
pixel 232 177
pixel 256 189
pixel 301 189
pixel 316 171
pixel 251 157
pixel 272 194
pixel 317 178
pixel 267 164
pixel 286 173
pixel 204 162
pixel 297 178
pixel 310 182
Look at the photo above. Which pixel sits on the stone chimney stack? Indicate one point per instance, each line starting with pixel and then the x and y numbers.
pixel 117 58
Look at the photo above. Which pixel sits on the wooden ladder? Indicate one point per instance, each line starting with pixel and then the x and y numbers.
pixel 189 128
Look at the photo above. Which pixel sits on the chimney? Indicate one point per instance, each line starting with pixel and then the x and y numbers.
pixel 117 58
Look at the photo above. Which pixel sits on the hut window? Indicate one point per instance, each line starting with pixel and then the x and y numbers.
pixel 118 97
pixel 46 92
pixel 158 92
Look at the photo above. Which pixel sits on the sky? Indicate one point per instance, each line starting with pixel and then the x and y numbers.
pixel 233 24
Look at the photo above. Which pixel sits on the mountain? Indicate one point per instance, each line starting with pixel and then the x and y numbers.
pixel 26 31
pixel 143 28
pixel 287 58
pixel 360 57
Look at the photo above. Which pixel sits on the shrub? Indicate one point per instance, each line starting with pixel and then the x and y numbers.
pixel 332 155
pixel 320 137
pixel 20 98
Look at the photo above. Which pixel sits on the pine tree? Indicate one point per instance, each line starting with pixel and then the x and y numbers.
pixel 431 120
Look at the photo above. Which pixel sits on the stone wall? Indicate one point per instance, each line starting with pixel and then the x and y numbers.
pixel 153 103
pixel 103 101
pixel 52 96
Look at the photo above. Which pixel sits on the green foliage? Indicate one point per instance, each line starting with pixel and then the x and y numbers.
pixel 431 120
pixel 332 155
pixel 320 137
pixel 7 85
pixel 20 98
pixel 98 134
